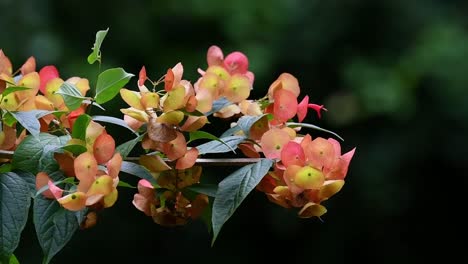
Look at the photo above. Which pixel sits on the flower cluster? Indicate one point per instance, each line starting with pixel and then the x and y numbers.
pixel 54 141
pixel 310 172
pixel 31 91
pixel 97 169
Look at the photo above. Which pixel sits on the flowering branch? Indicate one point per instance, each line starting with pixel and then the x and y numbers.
pixel 47 138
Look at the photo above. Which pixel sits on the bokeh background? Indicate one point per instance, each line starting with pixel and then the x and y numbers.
pixel 393 75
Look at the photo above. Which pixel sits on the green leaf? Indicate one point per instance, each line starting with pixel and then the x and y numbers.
pixel 15 200
pixel 194 135
pixel 125 148
pixel 80 215
pixel 29 121
pixel 208 189
pixel 293 124
pixel 137 170
pixel 35 154
pixel 218 105
pixel 79 127
pixel 30 180
pixel 231 131
pixel 54 224
pixel 243 124
pixel 193 113
pixel 5 167
pixel 75 149
pixel 246 122
pixel 233 190
pixel 109 83
pixel 71 95
pixel 113 120
pixel 13 89
pixel 207 215
pixel 125 184
pixel 13 260
pixel 215 146
pixel 96 54
pixel 8 119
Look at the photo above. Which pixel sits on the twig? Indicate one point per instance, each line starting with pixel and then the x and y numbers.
pixel 6 154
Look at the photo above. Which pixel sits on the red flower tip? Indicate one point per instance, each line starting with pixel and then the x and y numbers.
pixel 46 74
pixel 317 109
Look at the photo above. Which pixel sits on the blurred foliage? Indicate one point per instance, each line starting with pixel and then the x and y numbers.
pixel 392 74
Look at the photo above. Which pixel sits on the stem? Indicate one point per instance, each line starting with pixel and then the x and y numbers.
pixel 314 127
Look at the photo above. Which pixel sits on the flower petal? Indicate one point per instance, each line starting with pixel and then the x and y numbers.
pixel 111 198
pixel 302 108
pixel 187 160
pixel 66 163
pixel 292 153
pixel 236 62
pixel 103 148
pixel 214 56
pixel 42 179
pixel 273 141
pixel 113 165
pixel 285 105
pixel 86 168
pixel 330 188
pixel 312 209
pixel 74 201
pixel 237 89
pixel 132 98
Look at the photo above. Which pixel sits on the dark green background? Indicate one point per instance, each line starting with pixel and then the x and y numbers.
pixel 393 75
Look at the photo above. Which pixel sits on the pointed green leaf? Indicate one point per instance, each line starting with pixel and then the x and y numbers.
pixel 5 167
pixel 194 135
pixel 96 54
pixel 13 260
pixel 113 120
pixel 109 83
pixel 228 144
pixel 15 200
pixel 13 89
pixel 28 120
pixel 35 154
pixel 125 148
pixel 137 170
pixel 244 123
pixel 75 149
pixel 8 119
pixel 71 95
pixel 54 224
pixel 79 127
pixel 125 184
pixel 233 190
pixel 218 105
